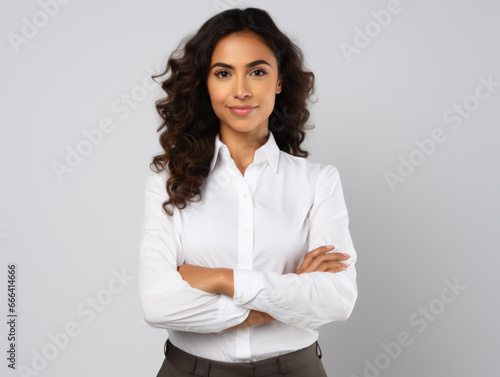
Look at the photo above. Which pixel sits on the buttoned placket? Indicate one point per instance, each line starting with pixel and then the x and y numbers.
pixel 246 185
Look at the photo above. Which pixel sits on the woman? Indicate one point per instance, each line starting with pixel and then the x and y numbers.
pixel 240 270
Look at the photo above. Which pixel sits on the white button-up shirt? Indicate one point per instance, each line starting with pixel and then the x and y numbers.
pixel 261 225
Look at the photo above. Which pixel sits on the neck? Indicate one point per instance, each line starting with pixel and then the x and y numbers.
pixel 242 145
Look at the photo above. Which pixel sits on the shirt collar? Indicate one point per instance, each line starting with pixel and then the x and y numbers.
pixel 269 152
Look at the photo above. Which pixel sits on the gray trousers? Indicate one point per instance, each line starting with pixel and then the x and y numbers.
pixel 302 363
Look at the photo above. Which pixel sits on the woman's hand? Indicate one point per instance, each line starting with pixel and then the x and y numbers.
pixel 319 260
pixel 210 280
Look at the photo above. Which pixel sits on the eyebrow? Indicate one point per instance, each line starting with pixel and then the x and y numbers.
pixel 249 65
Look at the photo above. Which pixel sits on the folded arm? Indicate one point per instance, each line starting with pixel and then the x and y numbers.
pixel 311 299
pixel 221 280
pixel 166 299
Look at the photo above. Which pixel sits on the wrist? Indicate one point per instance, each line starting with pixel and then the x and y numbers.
pixel 226 282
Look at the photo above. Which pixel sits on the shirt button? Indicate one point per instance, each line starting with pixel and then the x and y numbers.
pixel 240 300
pixel 295 320
pixel 189 328
pixel 246 229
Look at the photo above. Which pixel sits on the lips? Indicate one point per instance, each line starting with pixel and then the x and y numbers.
pixel 242 110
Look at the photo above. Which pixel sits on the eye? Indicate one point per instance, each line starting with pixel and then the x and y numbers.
pixel 259 70
pixel 218 73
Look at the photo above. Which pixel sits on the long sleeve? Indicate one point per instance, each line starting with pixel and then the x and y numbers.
pixel 309 300
pixel 167 300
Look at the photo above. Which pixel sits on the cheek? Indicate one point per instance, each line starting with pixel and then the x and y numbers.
pixel 268 95
pixel 215 92
pixel 219 103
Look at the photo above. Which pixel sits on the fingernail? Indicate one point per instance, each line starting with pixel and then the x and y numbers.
pixel 330 246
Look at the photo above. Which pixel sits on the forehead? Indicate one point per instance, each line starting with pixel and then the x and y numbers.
pixel 241 47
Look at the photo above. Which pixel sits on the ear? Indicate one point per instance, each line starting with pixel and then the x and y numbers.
pixel 278 87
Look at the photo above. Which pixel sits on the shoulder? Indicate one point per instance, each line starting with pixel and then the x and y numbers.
pixel 314 172
pixel 162 175
pixel 155 182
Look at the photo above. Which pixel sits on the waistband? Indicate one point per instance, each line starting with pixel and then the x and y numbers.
pixel 200 366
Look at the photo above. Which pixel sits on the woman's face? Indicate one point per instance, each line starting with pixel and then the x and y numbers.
pixel 243 73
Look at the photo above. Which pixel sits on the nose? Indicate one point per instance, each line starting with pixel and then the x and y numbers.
pixel 241 88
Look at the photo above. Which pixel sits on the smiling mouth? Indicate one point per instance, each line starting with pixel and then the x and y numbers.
pixel 242 110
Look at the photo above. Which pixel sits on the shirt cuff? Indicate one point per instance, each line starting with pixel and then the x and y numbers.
pixel 247 284
pixel 230 314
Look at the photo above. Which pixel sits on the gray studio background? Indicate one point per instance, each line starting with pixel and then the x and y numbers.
pixel 409 116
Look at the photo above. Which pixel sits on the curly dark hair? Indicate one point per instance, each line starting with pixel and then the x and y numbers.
pixel 189 121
